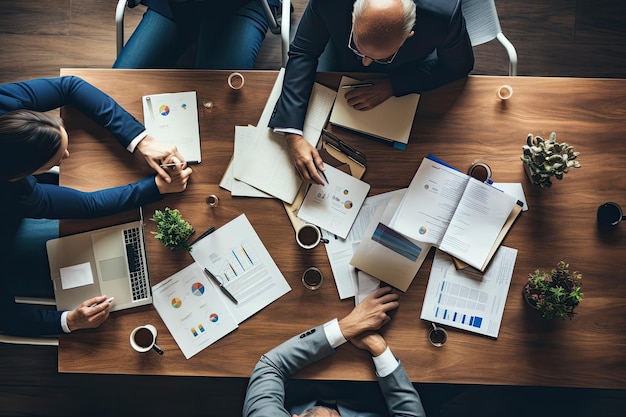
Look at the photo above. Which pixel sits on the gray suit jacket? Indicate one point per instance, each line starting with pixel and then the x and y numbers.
pixel 265 396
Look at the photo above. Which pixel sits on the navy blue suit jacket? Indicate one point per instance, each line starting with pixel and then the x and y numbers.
pixel 439 28
pixel 26 198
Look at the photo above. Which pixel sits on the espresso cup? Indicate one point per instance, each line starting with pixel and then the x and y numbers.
pixel 308 236
pixel 312 278
pixel 437 336
pixel 480 170
pixel 609 214
pixel 504 92
pixel 143 338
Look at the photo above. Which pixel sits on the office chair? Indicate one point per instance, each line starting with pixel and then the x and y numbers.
pixel 280 25
pixel 483 26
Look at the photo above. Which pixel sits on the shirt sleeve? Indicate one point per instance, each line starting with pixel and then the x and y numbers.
pixel 385 363
pixel 333 334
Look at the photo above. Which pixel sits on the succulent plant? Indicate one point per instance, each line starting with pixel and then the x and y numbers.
pixel 548 158
pixel 554 294
pixel 173 230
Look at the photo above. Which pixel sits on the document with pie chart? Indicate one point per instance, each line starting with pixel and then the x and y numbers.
pixel 192 310
pixel 173 118
pixel 335 205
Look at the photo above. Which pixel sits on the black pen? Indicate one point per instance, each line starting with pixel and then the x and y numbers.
pixel 323 174
pixel 179 163
pixel 219 283
pixel 359 85
pixel 203 235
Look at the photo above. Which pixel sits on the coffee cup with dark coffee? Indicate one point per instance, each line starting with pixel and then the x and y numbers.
pixel 143 338
pixel 609 214
pixel 309 236
pixel 312 278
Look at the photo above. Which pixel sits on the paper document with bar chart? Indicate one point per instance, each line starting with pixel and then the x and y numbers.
pixel 469 300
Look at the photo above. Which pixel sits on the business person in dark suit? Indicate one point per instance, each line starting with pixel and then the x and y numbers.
pixel 33 142
pixel 266 393
pixel 419 44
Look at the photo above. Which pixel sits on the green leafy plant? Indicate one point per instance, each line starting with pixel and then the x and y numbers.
pixel 554 294
pixel 173 230
pixel 545 159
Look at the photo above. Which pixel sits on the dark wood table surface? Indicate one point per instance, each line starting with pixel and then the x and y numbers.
pixel 459 123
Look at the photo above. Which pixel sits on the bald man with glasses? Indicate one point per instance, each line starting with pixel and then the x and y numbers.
pixel 419 44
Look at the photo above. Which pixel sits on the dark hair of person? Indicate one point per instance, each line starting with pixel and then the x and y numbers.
pixel 28 140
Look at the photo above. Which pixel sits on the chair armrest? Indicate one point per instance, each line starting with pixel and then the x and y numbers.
pixel 285 30
pixel 119 25
pixel 510 50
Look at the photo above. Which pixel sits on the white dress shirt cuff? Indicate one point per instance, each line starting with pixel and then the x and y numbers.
pixel 385 363
pixel 285 130
pixel 333 334
pixel 64 322
pixel 133 144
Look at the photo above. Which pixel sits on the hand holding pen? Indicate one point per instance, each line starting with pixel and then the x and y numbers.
pixel 154 152
pixel 369 94
pixel 179 176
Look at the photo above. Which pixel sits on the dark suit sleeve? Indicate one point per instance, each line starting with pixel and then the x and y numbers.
pixel 400 395
pixel 55 202
pixel 454 57
pixel 50 93
pixel 304 51
pixel 25 320
pixel 265 395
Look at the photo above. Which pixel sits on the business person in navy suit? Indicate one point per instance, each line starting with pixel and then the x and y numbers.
pixel 419 44
pixel 33 142
pixel 266 393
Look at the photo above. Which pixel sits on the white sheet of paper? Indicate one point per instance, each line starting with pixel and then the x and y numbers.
pixel 334 206
pixel 76 276
pixel 366 285
pixel 268 165
pixel 173 118
pixel 513 188
pixel 466 300
pixel 243 142
pixel 192 309
pixel 340 251
pixel 236 256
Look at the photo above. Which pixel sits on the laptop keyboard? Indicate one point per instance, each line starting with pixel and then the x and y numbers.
pixel 139 281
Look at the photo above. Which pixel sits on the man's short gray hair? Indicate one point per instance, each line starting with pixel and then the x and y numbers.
pixel 409 12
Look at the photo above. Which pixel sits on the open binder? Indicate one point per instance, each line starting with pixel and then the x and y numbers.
pixel 337 154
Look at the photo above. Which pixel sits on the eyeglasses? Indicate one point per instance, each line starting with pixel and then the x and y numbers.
pixel 353 48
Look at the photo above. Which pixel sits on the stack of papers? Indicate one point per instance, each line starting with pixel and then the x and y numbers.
pixel 261 157
pixel 196 310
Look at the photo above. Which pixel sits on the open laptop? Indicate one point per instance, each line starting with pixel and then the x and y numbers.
pixel 109 261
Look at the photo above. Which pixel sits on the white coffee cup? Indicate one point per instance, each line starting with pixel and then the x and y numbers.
pixel 504 92
pixel 143 338
pixel 309 236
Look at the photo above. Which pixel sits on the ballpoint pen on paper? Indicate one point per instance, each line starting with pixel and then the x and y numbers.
pixel 219 284
pixel 359 85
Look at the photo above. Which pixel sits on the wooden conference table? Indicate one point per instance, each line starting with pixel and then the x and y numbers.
pixel 459 123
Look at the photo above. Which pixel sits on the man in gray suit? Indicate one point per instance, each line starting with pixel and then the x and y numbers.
pixel 266 397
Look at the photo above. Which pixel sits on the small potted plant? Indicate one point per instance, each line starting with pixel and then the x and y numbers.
pixel 554 294
pixel 544 159
pixel 172 230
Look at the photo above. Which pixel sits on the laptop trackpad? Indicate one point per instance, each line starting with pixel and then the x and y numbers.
pixel 112 269
pixel 109 250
